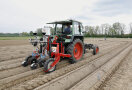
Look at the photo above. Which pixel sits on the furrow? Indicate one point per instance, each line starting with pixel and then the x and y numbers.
pixel 65 70
pixel 97 77
pixel 64 82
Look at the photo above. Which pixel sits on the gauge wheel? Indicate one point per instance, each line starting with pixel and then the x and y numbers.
pixel 47 65
pixel 27 61
pixel 95 50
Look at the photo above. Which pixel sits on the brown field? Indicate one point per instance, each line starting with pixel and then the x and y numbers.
pixel 110 69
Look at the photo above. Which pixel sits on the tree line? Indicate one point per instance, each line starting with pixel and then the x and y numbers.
pixel 106 30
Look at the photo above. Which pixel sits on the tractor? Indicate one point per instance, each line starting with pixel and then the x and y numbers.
pixel 66 43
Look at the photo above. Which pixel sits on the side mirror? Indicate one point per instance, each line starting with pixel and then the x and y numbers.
pixel 35 34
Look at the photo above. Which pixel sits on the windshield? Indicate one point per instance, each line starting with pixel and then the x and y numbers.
pixel 61 29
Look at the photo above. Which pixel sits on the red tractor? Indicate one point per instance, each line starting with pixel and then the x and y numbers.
pixel 63 43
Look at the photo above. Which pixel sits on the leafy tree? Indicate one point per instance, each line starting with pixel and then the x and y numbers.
pixel 119 28
pixel 97 30
pixel 24 34
pixel 130 28
pixel 39 31
pixel 31 33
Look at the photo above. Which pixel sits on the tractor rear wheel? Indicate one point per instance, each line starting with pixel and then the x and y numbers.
pixel 76 50
pixel 47 65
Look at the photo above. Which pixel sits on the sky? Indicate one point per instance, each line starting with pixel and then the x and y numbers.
pixel 18 16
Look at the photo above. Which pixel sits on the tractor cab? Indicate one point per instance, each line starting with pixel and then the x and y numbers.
pixel 68 29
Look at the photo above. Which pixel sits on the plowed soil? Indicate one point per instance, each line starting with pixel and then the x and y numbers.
pixel 13 76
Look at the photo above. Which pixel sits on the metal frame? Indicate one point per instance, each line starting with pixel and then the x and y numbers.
pixel 57 55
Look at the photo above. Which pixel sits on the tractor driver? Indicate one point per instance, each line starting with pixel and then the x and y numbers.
pixel 67 29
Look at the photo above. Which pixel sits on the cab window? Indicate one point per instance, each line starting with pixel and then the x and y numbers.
pixel 77 28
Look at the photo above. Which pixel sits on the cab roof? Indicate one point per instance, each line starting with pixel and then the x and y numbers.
pixel 64 22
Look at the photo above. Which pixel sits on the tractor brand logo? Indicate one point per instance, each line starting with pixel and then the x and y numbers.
pixel 53 49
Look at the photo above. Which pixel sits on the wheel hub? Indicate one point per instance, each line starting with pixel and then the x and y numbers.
pixel 75 50
pixel 78 51
pixel 49 66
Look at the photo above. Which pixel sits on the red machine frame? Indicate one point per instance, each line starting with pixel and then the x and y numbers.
pixel 56 54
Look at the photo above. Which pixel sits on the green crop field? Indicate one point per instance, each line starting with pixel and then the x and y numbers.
pixel 14 38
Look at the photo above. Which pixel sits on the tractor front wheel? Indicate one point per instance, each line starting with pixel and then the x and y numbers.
pixel 47 65
pixel 76 50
